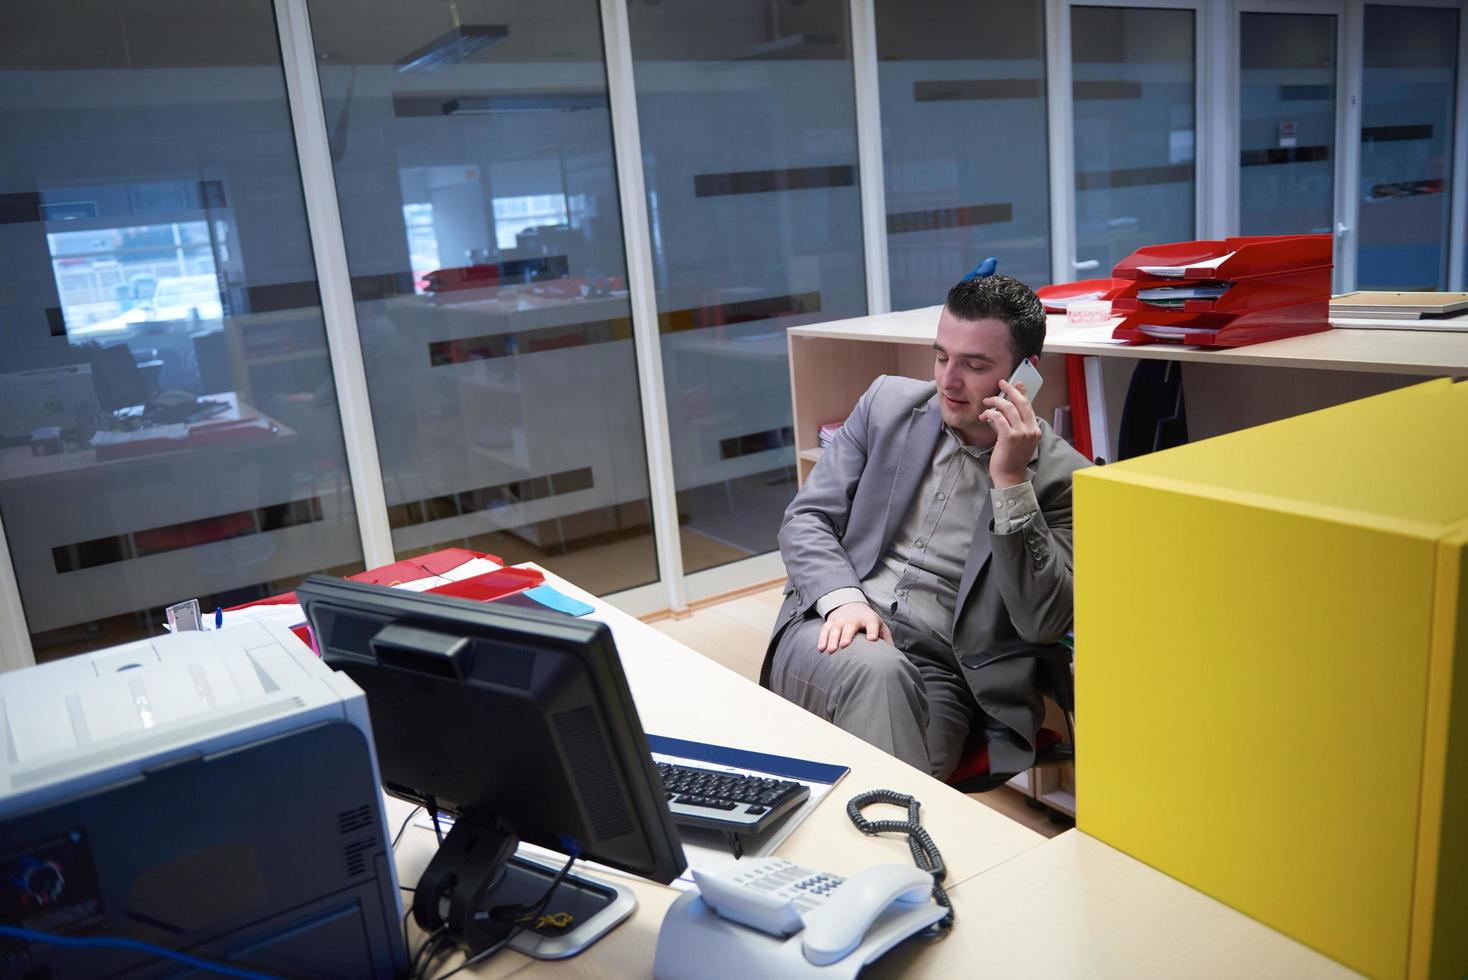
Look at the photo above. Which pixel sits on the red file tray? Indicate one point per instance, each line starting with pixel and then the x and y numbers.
pixel 1279 286
pixel 1055 298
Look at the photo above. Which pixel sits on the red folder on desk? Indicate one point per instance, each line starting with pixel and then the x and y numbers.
pixel 409 570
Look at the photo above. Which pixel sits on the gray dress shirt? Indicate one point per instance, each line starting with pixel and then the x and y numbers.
pixel 917 578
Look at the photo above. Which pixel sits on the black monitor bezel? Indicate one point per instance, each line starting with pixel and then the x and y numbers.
pixel 589 641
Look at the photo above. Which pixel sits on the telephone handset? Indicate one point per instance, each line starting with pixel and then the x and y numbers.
pixel 770 918
pixel 831 913
pixel 1027 374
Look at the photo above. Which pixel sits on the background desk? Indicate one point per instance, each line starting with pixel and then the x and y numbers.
pixel 831 364
pixel 1010 921
pixel 124 526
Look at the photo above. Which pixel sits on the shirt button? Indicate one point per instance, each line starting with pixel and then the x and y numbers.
pixel 919 542
pixel 942 495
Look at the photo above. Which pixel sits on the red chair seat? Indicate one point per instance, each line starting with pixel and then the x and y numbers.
pixel 975 761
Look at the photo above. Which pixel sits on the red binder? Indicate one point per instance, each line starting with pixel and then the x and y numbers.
pixel 408 570
pixel 1277 286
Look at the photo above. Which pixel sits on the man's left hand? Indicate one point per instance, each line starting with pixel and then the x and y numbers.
pixel 1014 421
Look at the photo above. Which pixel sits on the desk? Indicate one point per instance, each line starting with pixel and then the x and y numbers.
pixel 683 694
pixel 831 364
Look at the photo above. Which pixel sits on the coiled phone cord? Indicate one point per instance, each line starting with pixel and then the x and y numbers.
pixel 924 852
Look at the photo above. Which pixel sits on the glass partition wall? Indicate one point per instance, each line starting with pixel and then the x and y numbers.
pixel 747 113
pixel 1133 72
pixel 1287 112
pixel 964 142
pixel 1408 90
pixel 472 147
pixel 168 420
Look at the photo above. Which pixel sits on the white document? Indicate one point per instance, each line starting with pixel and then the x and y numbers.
pixel 1089 335
pixel 1169 330
pixel 470 568
pixel 1178 271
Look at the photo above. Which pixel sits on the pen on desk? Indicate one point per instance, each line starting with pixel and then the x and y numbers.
pixel 219 617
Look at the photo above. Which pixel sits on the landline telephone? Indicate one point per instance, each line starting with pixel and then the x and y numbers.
pixel 772 918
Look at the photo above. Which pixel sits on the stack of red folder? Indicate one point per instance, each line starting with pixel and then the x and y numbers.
pixel 1225 293
pixel 481 588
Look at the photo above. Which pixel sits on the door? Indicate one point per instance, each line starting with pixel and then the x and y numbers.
pixel 1134 89
pixel 1408 82
pixel 1290 78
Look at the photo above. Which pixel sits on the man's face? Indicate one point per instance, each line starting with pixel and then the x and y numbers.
pixel 971 358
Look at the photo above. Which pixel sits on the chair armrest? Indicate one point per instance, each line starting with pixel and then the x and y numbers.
pixel 1018 650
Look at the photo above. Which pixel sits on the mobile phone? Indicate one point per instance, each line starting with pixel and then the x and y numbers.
pixel 1028 375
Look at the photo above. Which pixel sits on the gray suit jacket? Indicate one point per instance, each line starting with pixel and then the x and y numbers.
pixel 1014 586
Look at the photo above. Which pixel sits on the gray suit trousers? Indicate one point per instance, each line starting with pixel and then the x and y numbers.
pixel 905 699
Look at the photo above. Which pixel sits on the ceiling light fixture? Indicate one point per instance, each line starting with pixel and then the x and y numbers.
pixel 459 44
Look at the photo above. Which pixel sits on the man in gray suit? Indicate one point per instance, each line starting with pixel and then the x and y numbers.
pixel 937 525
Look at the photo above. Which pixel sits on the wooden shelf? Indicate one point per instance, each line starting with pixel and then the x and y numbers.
pixel 811 455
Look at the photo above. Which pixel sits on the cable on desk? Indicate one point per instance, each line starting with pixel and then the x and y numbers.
pixel 529 914
pixel 399 835
pixel 432 939
pixel 443 944
pixel 924 852
pixel 137 945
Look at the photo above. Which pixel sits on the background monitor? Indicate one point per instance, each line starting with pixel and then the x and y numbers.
pixel 118 380
pixel 520 723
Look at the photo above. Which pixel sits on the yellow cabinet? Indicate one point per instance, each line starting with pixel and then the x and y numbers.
pixel 1272 673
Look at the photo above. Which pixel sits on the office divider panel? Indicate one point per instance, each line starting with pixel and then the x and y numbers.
pixel 1270 646
pixel 748 122
pixel 1133 77
pixel 1287 109
pixel 473 158
pixel 154 238
pixel 1407 145
pixel 964 142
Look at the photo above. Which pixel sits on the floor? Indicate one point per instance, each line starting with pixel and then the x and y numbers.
pixel 734 633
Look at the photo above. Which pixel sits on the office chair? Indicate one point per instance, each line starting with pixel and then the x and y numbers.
pixel 1051 748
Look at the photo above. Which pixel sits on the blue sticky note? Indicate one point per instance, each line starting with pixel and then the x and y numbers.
pixel 559 601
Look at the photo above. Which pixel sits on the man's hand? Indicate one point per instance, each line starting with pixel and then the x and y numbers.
pixel 846 621
pixel 1014 422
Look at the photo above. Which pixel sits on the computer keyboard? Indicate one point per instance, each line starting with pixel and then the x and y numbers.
pixel 163 413
pixel 719 800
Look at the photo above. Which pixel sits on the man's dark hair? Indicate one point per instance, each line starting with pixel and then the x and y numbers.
pixel 1002 298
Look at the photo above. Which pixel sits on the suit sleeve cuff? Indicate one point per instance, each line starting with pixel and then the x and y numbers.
pixel 1014 507
pixel 838 597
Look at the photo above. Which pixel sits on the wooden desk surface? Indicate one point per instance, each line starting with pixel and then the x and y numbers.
pixel 683 694
pixel 1424 352
pixel 1075 907
pixel 1070 906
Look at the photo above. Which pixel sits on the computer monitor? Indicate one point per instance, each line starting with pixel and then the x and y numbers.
pixel 519 723
pixel 118 381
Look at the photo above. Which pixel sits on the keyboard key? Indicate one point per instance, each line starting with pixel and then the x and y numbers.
pixel 704 801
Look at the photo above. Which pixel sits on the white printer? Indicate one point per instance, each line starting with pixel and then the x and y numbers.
pixel 214 793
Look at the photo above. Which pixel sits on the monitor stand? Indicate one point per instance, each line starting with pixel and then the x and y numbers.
pixel 482 857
